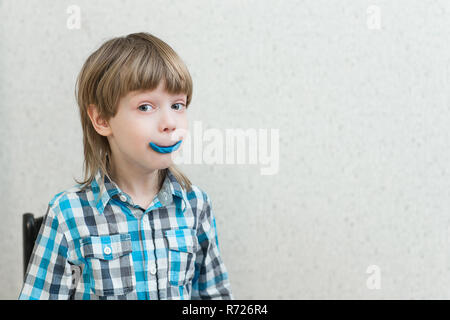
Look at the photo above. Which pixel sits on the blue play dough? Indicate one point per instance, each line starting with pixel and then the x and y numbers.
pixel 165 149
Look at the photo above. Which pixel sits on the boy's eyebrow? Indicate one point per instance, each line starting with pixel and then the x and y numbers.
pixel 138 96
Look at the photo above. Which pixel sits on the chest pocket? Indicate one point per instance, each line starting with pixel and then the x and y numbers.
pixel 182 245
pixel 110 265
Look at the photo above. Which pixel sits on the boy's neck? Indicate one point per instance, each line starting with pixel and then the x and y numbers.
pixel 141 186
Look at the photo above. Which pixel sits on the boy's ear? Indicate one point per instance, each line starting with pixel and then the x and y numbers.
pixel 100 125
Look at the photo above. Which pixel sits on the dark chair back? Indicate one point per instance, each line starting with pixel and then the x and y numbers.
pixel 30 230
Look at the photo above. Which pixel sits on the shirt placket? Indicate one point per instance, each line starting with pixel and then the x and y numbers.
pixel 146 236
pixel 144 253
pixel 150 258
pixel 147 243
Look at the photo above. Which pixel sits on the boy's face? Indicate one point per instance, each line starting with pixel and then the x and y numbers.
pixel 144 117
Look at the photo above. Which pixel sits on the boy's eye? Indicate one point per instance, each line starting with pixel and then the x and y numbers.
pixel 144 105
pixel 180 106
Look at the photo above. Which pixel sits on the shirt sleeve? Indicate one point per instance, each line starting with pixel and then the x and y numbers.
pixel 211 277
pixel 48 273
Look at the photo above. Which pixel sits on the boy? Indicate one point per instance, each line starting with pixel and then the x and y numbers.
pixel 135 228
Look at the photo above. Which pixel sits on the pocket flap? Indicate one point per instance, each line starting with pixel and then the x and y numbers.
pixel 181 239
pixel 106 247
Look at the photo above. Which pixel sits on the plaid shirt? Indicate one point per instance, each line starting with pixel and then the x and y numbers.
pixel 114 249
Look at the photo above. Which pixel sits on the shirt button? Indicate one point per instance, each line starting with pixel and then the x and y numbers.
pixel 152 270
pixel 123 198
pixel 107 250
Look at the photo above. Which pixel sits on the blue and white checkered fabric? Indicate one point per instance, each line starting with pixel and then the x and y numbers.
pixel 110 248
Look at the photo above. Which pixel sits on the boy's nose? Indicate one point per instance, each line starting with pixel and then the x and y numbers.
pixel 167 122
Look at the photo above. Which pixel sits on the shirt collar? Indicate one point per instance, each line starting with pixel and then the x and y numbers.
pixel 171 187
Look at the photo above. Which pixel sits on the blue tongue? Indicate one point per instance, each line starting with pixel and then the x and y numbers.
pixel 165 149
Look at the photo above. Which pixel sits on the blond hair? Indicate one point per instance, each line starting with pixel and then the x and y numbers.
pixel 138 61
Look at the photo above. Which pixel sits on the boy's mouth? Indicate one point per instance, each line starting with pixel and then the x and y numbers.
pixel 165 149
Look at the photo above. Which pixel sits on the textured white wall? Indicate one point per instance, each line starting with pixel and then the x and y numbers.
pixel 359 91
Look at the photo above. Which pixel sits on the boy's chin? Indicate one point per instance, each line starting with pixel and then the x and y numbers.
pixel 164 164
pixel 162 160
